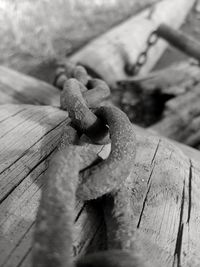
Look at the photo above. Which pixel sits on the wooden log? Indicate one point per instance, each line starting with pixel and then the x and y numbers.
pixel 165 205
pixel 106 54
pixel 165 184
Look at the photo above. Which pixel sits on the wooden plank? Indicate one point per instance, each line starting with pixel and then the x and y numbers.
pixel 29 129
pixel 166 209
pixel 157 207
pixel 129 39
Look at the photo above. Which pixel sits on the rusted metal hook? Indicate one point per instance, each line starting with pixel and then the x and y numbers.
pixel 111 173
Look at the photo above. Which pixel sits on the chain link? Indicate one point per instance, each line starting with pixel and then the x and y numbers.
pixel 53 236
pixel 102 178
pixel 143 56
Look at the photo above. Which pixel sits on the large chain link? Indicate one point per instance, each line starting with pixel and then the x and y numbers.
pixel 54 223
pixel 132 70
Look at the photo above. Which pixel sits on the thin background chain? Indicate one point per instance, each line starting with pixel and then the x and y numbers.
pixel 132 70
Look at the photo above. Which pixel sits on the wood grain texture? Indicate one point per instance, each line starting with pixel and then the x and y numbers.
pixel 167 210
pixel 164 182
pixel 29 136
pixel 164 202
pixel 128 40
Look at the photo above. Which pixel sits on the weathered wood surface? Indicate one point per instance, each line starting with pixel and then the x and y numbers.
pixel 111 50
pixel 167 210
pixel 187 150
pixel 165 185
pixel 28 137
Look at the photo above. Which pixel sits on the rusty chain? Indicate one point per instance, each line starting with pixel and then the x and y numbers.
pixel 131 69
pixel 82 97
